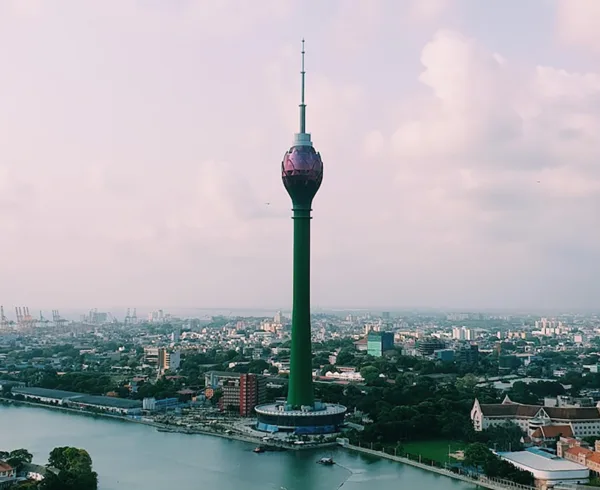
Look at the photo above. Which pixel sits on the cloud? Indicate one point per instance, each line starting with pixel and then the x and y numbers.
pixel 141 164
pixel 374 144
pixel 501 155
pixel 424 10
pixel 577 23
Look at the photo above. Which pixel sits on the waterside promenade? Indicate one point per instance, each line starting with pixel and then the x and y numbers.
pixel 480 480
pixel 177 429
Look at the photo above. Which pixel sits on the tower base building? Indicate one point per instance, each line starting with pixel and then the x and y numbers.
pixel 321 418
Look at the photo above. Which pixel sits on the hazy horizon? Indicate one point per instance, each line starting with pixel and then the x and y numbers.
pixel 141 141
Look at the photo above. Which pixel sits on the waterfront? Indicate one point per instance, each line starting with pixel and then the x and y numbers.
pixel 130 457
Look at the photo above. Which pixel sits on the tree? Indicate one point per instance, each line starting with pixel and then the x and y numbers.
pixel 369 374
pixel 505 437
pixel 477 455
pixel 17 457
pixel 28 485
pixel 74 470
pixel 345 358
pixel 467 382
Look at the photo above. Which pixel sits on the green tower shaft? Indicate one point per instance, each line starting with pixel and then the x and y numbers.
pixel 302 174
pixel 300 390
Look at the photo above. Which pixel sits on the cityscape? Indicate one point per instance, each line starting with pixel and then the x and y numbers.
pixel 537 379
pixel 162 131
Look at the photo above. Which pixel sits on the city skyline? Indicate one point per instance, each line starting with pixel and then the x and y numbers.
pixel 139 154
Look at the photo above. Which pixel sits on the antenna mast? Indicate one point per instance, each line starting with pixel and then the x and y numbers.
pixel 302 138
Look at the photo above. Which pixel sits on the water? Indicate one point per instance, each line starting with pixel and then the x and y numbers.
pixel 130 457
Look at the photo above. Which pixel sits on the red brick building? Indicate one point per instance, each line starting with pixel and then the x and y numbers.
pixel 252 393
pixel 243 393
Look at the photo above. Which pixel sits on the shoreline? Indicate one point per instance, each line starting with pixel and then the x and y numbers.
pixel 482 481
pixel 171 428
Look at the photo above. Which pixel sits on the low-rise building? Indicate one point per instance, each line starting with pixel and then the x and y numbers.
pixel 583 421
pixel 121 406
pixel 548 469
pixel 35 472
pixel 550 433
pixel 6 470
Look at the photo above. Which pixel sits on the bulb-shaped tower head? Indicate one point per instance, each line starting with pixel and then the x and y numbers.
pixel 302 167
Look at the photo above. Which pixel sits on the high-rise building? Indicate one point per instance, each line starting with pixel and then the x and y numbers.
pixel 302 174
pixel 467 355
pixel 379 342
pixel 463 333
pixel 162 358
pixel 242 392
pixel 253 390
pixel 171 360
pixel 427 346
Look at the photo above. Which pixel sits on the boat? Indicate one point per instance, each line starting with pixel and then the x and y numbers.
pixel 326 461
pixel 259 449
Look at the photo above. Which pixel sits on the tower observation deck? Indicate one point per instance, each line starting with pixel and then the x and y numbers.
pixel 302 174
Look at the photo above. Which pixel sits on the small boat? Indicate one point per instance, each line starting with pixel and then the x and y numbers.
pixel 259 449
pixel 326 461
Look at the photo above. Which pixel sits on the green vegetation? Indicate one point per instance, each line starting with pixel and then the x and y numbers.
pixel 412 408
pixel 435 450
pixel 75 470
pixel 69 468
pixel 478 456
pixel 16 458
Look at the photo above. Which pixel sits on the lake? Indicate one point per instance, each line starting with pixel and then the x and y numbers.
pixel 130 456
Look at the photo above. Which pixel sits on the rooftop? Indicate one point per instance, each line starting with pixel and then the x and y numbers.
pixel 45 392
pixel 107 401
pixel 552 431
pixel 272 409
pixel 509 408
pixel 224 374
pixel 539 460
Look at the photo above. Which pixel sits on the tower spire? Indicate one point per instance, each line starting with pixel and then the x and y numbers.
pixel 302 138
pixel 302 104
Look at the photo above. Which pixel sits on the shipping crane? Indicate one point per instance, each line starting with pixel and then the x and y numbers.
pixel 3 320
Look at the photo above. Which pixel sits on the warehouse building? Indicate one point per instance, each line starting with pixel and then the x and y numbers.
pixel 548 469
pixel 71 399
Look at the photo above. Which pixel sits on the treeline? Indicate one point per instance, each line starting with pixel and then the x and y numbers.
pixel 412 408
pixel 479 457
pixel 68 468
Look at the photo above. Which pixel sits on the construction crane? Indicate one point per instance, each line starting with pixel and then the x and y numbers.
pixel 56 318
pixel 43 320
pixel 3 320
pixel 19 315
pixel 28 319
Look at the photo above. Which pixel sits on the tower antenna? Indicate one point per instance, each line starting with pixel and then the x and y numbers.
pixel 302 104
pixel 302 138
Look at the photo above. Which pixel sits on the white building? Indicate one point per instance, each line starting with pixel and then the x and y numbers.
pixel 462 333
pixel 583 421
pixel 172 360
pixel 548 469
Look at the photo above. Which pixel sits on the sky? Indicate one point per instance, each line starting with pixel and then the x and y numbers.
pixel 141 140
